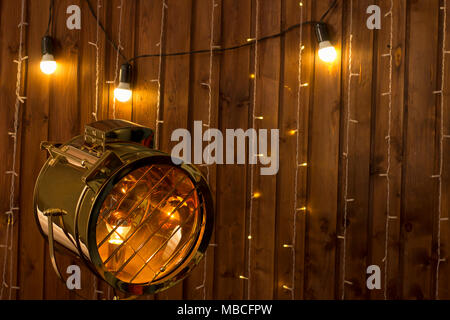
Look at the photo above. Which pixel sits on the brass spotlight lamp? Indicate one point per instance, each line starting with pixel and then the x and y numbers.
pixel 137 220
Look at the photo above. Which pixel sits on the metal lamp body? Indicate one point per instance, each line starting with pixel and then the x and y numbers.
pixel 78 177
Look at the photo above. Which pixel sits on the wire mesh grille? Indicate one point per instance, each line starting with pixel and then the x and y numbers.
pixel 148 224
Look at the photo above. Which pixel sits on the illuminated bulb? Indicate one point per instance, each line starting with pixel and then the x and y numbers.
pixel 249 237
pixel 292 132
pixel 119 234
pixel 327 52
pixel 123 91
pixel 252 76
pixel 48 63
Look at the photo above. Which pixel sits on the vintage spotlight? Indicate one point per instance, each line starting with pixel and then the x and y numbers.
pixel 137 220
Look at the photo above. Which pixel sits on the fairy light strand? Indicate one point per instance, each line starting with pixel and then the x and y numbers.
pixel 12 172
pixel 158 102
pixel 441 147
pixel 97 63
pixel 208 125
pixel 297 160
pixel 97 97
pixel 119 47
pixel 252 169
pixel 387 175
pixel 349 121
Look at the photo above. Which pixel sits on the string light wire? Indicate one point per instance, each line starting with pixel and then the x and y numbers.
pixel 208 125
pixel 387 175
pixel 20 99
pixel 348 121
pixel 297 158
pixel 158 102
pixel 441 147
pixel 252 169
pixel 97 63
pixel 251 42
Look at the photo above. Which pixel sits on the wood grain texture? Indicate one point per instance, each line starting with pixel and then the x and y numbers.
pixel 59 106
pixel 418 212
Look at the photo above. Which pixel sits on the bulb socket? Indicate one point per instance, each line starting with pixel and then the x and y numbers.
pixel 125 73
pixel 322 32
pixel 47 45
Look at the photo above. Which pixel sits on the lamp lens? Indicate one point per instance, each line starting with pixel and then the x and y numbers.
pixel 148 224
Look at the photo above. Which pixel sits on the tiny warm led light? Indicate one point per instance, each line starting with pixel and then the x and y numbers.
pixel 302 209
pixel 249 237
pixel 287 246
pixel 259 118
pixel 256 195
pixel 305 84
pixel 292 132
pixel 243 278
pixel 252 76
pixel 305 164
pixel 287 288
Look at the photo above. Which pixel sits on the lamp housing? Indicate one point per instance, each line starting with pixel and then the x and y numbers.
pixel 137 220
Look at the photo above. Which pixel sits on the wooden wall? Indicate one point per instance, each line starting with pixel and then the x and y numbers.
pixel 348 114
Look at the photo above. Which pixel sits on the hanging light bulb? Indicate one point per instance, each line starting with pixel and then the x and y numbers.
pixel 48 63
pixel 123 91
pixel 327 52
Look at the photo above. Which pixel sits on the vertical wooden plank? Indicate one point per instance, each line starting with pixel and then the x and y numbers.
pixel 87 61
pixel 267 99
pixel 417 215
pixel 204 107
pixel 87 97
pixel 10 16
pixel 356 99
pixel 177 75
pixel 145 88
pixel 234 105
pixel 444 279
pixel 145 93
pixel 63 122
pixel 35 130
pixel 379 162
pixel 291 105
pixel 320 276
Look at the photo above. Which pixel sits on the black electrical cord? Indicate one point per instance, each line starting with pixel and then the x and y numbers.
pixel 333 5
pixel 108 38
pixel 50 16
pixel 249 43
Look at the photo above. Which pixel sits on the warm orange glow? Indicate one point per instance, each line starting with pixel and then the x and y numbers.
pixel 148 224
